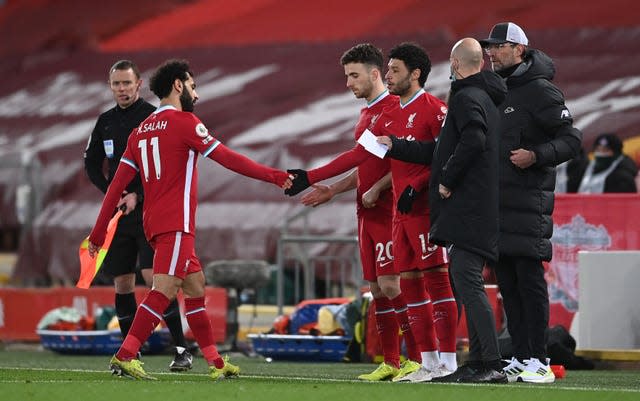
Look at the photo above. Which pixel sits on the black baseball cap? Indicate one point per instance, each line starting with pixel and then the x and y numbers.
pixel 505 32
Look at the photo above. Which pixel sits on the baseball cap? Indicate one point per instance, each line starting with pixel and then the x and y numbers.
pixel 505 32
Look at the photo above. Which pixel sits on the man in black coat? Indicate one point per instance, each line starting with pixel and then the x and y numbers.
pixel 463 197
pixel 537 134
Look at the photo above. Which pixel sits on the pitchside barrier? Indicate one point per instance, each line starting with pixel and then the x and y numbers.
pixel 609 317
pixel 22 308
pixel 329 266
pixel 322 265
pixel 595 223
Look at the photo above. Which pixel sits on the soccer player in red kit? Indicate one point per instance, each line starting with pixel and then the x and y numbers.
pixel 416 115
pixel 164 150
pixel 363 66
pixel 423 266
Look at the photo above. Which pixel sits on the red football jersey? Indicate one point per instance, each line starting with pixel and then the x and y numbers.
pixel 420 119
pixel 373 168
pixel 164 149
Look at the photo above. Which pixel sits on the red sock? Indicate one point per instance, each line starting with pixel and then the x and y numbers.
pixel 148 315
pixel 400 305
pixel 444 308
pixel 387 326
pixel 420 313
pixel 201 327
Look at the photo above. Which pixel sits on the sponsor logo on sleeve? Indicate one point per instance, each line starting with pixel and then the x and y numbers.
pixel 202 131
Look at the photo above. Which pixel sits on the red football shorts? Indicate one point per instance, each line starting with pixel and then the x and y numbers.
pixel 374 239
pixel 410 247
pixel 175 254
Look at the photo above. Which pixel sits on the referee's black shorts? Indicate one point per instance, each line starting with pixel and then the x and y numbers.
pixel 129 249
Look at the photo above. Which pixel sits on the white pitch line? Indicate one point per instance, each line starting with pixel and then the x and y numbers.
pixel 553 386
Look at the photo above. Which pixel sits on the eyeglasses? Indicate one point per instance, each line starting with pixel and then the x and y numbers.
pixel 496 46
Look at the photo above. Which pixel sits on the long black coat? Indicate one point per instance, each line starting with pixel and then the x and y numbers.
pixel 534 117
pixel 465 160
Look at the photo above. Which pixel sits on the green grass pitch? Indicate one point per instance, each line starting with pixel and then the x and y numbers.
pixel 44 375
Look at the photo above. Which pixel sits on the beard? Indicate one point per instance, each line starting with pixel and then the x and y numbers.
pixel 186 101
pixel 365 91
pixel 401 87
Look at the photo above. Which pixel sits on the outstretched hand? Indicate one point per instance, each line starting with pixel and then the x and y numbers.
pixel 320 194
pixel 299 183
pixel 406 199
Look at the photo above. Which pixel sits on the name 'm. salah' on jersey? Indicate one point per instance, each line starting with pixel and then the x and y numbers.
pixel 164 150
pixel 420 119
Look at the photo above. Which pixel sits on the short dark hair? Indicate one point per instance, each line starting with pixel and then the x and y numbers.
pixel 124 65
pixel 165 75
pixel 364 53
pixel 414 57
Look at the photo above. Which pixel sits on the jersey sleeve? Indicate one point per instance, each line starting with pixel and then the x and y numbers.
pixel 195 134
pixel 342 163
pixel 437 117
pixel 241 164
pixel 128 155
pixel 124 174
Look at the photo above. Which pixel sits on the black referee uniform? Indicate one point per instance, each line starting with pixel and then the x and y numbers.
pixel 109 141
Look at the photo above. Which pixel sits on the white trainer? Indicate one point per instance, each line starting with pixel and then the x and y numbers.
pixel 419 376
pixel 514 368
pixel 441 371
pixel 537 372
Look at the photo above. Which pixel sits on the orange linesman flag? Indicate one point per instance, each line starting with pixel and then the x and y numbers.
pixel 89 266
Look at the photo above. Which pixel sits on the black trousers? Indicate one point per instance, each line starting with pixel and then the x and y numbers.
pixel 466 270
pixel 526 303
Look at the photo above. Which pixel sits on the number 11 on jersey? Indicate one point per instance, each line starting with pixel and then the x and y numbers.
pixel 155 151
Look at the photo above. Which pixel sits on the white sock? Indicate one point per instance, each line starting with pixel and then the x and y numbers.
pixel 449 361
pixel 430 359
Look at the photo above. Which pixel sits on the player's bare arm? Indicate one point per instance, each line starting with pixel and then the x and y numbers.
pixel 370 197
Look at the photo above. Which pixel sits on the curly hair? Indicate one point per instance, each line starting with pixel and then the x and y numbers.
pixel 165 75
pixel 414 57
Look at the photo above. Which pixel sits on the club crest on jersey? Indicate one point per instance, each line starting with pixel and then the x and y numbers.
pixel 410 120
pixel 202 131
pixel 441 117
pixel 374 119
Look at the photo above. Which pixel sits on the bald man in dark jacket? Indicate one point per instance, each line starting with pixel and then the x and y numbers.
pixel 463 197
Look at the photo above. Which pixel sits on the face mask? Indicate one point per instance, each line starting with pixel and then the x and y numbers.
pixel 601 154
